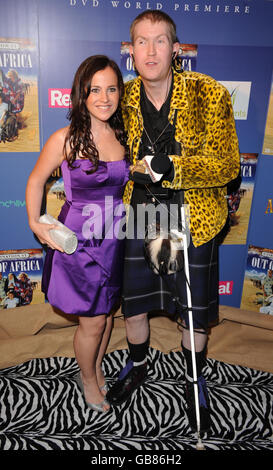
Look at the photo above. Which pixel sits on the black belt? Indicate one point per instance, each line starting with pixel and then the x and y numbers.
pixel 152 194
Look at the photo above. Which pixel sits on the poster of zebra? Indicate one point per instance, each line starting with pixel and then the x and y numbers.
pixel 19 111
pixel 20 277
pixel 258 281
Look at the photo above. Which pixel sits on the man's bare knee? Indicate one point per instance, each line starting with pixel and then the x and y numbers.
pixel 136 319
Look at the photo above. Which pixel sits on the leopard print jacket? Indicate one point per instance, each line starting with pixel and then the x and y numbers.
pixel 209 159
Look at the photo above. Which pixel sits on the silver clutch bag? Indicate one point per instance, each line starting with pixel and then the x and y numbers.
pixel 63 236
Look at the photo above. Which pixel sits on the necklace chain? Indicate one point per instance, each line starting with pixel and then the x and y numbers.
pixel 153 143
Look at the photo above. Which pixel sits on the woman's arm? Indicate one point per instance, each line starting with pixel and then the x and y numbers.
pixel 50 159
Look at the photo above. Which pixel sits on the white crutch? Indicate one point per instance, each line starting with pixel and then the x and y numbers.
pixel 199 445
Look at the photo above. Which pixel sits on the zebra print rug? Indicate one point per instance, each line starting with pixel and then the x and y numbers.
pixel 42 408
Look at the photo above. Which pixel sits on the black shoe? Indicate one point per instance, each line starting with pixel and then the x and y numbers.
pixel 130 378
pixel 203 405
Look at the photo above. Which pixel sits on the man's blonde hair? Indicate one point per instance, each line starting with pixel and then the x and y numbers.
pixel 155 16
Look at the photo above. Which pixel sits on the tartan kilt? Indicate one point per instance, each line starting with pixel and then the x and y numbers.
pixel 145 291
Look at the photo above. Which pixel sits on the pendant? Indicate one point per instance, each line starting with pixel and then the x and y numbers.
pixel 151 148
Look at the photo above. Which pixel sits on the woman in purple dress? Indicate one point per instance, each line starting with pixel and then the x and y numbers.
pixel 92 155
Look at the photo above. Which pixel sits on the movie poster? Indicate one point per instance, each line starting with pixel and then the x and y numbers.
pixel 187 55
pixel 20 278
pixel 268 134
pixel 19 118
pixel 258 281
pixel 240 201
pixel 55 193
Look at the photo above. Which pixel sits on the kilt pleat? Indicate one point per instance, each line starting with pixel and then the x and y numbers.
pixel 145 291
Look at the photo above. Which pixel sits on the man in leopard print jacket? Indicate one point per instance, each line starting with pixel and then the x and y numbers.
pixel 187 119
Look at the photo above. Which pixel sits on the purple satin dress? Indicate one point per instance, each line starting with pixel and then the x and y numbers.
pixel 88 282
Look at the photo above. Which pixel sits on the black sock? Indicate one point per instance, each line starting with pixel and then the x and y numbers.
pixel 200 361
pixel 138 352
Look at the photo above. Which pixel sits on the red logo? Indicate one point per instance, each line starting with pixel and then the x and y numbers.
pixel 59 97
pixel 225 287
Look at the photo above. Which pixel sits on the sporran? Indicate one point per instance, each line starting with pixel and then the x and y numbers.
pixel 164 251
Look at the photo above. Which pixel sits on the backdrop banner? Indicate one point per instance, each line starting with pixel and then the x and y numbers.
pixel 43 42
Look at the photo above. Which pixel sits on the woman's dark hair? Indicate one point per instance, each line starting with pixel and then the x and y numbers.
pixel 79 138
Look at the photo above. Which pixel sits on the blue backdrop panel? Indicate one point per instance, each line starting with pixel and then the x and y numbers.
pixel 58 65
pixel 232 269
pixel 110 19
pixel 237 63
pixel 15 233
pixel 19 19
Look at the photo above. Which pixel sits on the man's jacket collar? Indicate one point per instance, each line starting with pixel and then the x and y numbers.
pixel 179 98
